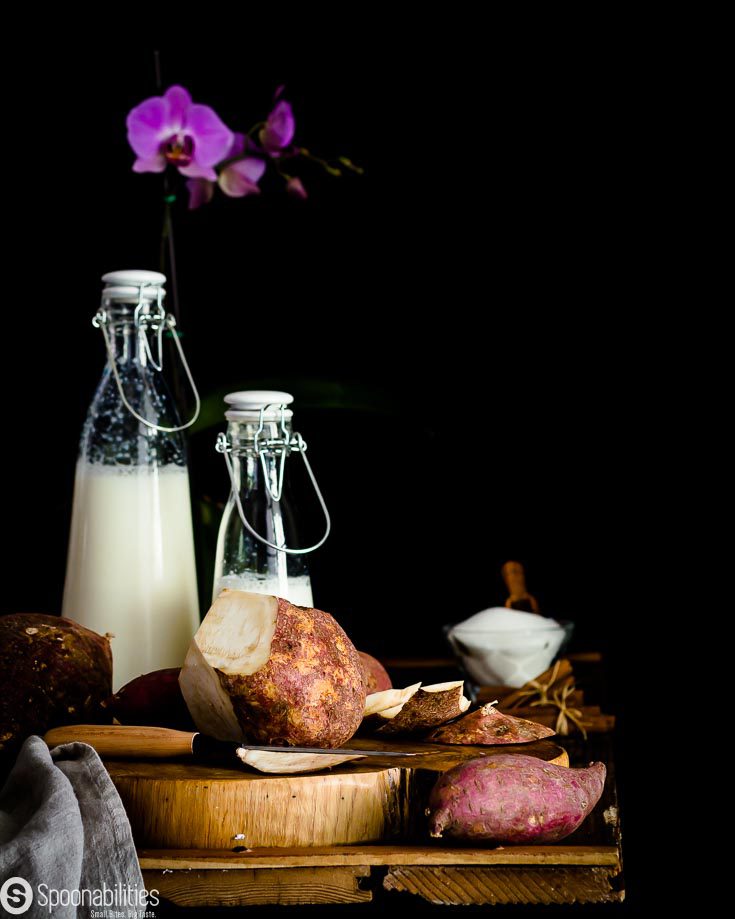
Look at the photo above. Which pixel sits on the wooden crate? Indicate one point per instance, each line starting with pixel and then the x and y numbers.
pixel 584 868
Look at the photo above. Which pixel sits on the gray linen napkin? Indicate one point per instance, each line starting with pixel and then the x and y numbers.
pixel 63 828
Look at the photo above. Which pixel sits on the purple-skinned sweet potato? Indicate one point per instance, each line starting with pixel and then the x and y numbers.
pixel 53 671
pixel 374 674
pixel 153 699
pixel 513 799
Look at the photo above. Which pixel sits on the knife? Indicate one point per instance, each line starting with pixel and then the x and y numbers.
pixel 126 741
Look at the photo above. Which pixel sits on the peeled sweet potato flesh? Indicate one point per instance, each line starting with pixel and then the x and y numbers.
pixel 291 763
pixel 378 702
pixel 512 799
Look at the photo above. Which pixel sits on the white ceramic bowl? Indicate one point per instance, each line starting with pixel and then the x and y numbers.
pixel 508 657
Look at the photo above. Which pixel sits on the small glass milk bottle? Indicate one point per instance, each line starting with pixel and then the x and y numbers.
pixel 252 553
pixel 130 567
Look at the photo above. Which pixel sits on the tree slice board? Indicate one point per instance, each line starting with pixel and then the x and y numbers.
pixel 192 805
pixel 196 806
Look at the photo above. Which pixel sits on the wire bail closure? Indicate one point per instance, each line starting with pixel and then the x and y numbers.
pixel 282 447
pixel 157 321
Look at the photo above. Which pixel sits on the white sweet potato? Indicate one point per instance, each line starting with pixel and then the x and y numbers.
pixel 268 672
pixel 512 799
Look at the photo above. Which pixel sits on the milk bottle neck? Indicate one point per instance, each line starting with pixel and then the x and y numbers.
pixel 128 343
pixel 242 434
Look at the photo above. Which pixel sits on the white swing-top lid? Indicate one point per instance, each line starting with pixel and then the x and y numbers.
pixel 128 286
pixel 246 405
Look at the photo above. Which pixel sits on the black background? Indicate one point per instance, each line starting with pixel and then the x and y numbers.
pixel 459 325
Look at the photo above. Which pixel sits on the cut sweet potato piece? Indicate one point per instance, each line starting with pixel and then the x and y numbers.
pixel 427 707
pixel 388 698
pixel 487 726
pixel 289 763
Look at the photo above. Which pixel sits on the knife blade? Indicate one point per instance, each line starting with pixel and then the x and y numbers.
pixel 131 741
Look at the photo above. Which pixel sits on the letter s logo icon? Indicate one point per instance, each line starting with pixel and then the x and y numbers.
pixel 16 896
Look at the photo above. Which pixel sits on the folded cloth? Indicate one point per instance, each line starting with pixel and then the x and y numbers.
pixel 63 828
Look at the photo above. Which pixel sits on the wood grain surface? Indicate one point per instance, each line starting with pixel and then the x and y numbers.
pixel 393 854
pixel 461 886
pixel 195 805
pixel 258 887
pixel 189 805
pixel 585 868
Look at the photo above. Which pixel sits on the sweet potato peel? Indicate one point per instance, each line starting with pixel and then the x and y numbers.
pixel 427 707
pixel 487 726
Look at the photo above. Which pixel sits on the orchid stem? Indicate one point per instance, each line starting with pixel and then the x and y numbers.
pixel 167 234
pixel 307 154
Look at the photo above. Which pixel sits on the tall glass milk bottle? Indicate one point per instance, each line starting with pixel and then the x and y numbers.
pixel 130 569
pixel 259 518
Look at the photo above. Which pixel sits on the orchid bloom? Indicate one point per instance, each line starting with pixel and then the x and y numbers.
pixel 237 179
pixel 279 129
pixel 172 129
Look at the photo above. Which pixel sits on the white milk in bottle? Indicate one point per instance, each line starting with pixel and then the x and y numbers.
pixel 258 546
pixel 130 567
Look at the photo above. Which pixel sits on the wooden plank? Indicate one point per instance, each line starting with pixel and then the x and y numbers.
pixel 464 886
pixel 325 856
pixel 258 887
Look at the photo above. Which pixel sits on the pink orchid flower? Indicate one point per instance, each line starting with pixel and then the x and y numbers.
pixel 172 129
pixel 237 179
pixel 279 129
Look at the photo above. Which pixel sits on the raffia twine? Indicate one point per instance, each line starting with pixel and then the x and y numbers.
pixel 558 700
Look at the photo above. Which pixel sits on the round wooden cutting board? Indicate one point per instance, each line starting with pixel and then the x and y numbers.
pixel 187 805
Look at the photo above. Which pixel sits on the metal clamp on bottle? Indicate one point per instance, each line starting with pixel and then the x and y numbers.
pixel 157 321
pixel 281 447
